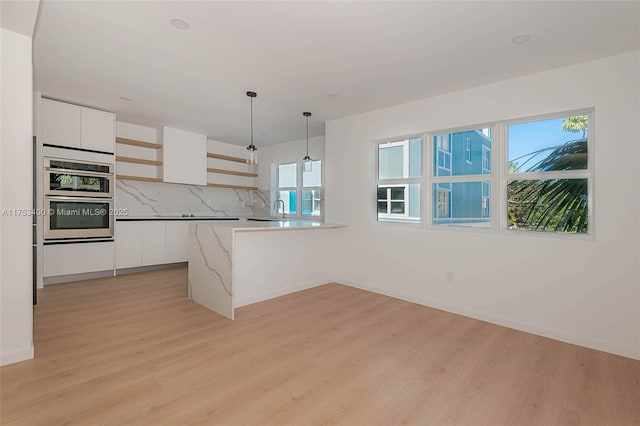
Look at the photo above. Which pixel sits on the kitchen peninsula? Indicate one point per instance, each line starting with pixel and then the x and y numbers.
pixel 233 264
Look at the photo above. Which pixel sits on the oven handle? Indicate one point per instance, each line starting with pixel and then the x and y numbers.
pixel 88 199
pixel 79 172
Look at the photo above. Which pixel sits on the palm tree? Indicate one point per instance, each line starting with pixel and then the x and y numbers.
pixel 552 204
pixel 575 124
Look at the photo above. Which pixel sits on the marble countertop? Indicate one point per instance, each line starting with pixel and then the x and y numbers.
pixel 140 218
pixel 243 223
pixel 277 225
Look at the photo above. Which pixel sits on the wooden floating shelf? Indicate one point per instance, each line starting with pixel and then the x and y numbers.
pixel 144 179
pixel 134 142
pixel 227 158
pixel 231 172
pixel 138 161
pixel 219 185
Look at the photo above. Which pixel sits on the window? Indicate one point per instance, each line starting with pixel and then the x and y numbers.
pixel 461 190
pixel 486 194
pixel 443 156
pixel 311 189
pixel 442 208
pixel 288 189
pixel 548 175
pixel 545 176
pixel 486 160
pixel 393 201
pixel 398 180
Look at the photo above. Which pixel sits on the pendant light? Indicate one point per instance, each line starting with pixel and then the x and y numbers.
pixel 306 165
pixel 252 148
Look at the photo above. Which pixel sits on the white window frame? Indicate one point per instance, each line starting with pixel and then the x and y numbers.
pixel 312 188
pixel 388 200
pixel 432 179
pixel 396 218
pixel 588 174
pixel 498 178
pixel 299 188
pixel 275 209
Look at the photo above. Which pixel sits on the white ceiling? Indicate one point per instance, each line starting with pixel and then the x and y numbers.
pixel 295 54
pixel 19 16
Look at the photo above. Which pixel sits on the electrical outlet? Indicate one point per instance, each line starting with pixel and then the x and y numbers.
pixel 449 276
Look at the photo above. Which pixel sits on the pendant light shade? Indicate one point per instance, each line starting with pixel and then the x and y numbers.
pixel 252 148
pixel 307 163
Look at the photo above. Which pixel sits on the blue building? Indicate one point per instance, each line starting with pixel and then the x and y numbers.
pixel 465 153
pixel 455 200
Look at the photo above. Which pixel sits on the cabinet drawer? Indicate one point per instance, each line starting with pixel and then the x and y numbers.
pixel 67 259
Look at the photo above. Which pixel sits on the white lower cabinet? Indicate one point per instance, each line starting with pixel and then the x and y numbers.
pixel 153 243
pixel 128 244
pixel 79 258
pixel 176 241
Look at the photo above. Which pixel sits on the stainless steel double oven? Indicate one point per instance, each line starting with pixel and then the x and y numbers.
pixel 78 199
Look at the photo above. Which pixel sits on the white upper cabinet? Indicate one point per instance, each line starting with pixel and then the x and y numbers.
pixel 60 124
pixel 97 130
pixel 74 126
pixel 185 157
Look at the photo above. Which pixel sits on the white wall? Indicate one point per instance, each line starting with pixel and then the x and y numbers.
pixel 286 152
pixel 16 342
pixel 585 292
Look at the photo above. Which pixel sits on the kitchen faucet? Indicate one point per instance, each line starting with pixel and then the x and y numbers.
pixel 275 205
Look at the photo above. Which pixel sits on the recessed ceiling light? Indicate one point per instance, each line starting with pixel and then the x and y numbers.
pixel 124 98
pixel 521 39
pixel 180 23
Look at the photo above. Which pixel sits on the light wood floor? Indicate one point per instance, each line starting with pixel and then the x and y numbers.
pixel 135 350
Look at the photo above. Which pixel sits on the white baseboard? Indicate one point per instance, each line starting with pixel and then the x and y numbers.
pixel 278 292
pixel 551 333
pixel 16 356
pixel 62 279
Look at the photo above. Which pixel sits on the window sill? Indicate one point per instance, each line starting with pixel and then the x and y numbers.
pixel 545 234
pixel 510 233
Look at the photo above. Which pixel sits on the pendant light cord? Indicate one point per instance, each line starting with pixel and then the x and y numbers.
pixel 307 135
pixel 251 103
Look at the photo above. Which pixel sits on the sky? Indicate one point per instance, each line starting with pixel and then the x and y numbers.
pixel 531 136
